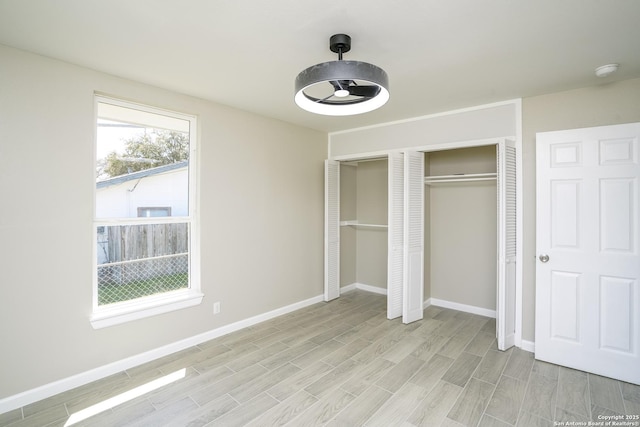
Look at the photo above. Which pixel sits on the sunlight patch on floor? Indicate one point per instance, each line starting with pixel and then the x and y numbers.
pixel 125 397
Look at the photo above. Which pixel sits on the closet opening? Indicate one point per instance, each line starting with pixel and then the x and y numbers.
pixel 364 224
pixel 460 229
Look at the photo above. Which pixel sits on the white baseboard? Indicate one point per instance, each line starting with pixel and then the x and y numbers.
pixel 364 287
pixel 30 396
pixel 373 289
pixel 529 346
pixel 348 288
pixel 460 307
pixel 431 301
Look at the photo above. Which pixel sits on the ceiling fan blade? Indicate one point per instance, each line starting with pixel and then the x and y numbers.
pixel 340 84
pixel 366 91
pixel 323 99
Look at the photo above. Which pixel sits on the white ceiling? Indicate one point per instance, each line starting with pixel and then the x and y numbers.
pixel 439 54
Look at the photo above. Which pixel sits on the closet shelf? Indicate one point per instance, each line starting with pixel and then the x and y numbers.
pixel 467 177
pixel 356 224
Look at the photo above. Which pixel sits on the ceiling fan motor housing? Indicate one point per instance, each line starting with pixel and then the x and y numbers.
pixel 340 43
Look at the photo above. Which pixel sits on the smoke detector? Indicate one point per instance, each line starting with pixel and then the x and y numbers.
pixel 606 70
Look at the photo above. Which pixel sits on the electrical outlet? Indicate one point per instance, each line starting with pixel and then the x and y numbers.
pixel 216 307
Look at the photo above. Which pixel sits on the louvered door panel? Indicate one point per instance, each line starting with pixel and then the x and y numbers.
pixel 396 235
pixel 506 297
pixel 331 230
pixel 413 271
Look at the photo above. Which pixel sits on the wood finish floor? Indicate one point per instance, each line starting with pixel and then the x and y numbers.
pixel 344 364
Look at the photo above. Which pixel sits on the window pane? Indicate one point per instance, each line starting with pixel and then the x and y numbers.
pixel 141 260
pixel 153 212
pixel 142 160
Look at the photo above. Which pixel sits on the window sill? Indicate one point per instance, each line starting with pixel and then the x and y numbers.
pixel 128 311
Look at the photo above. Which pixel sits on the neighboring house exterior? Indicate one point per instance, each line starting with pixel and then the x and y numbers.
pixel 160 191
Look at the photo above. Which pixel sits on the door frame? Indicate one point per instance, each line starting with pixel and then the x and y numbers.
pixel 518 342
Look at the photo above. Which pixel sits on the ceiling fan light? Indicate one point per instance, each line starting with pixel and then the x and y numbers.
pixel 342 110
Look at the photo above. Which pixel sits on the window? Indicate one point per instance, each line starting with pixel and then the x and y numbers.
pixel 145 248
pixel 154 211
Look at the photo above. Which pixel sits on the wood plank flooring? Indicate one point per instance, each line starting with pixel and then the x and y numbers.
pixel 344 364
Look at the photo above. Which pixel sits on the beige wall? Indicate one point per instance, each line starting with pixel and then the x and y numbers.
pixel 605 104
pixel 372 199
pixel 496 121
pixel 348 212
pixel 372 195
pixel 463 160
pixel 261 215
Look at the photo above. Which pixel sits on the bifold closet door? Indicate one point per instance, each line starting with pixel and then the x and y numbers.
pixel 506 239
pixel 413 259
pixel 331 230
pixel 395 245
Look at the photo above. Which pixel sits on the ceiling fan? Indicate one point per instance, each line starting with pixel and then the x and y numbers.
pixel 340 88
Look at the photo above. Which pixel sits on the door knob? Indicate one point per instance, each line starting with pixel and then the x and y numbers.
pixel 544 258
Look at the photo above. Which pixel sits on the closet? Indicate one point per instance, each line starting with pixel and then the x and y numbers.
pixel 461 229
pixel 448 237
pixel 355 226
pixel 364 231
pixel 363 224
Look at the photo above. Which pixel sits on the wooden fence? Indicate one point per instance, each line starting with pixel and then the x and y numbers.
pixel 142 252
pixel 129 242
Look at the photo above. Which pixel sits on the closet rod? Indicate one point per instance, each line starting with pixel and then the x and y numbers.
pixel 356 224
pixel 460 178
pixel 436 181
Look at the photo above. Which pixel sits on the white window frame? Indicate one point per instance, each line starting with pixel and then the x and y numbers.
pixel 125 311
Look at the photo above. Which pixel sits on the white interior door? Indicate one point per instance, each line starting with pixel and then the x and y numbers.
pixel 396 235
pixel 413 258
pixel 506 239
pixel 588 266
pixel 331 230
